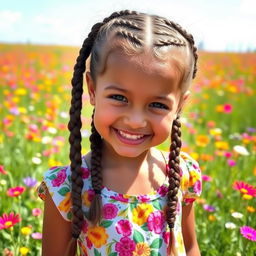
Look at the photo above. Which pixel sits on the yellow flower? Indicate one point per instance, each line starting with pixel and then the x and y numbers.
pixel 20 91
pixel 142 249
pixel 215 131
pixel 24 250
pixel 141 212
pixel 65 204
pixel 211 217
pixel 97 235
pixel 219 108
pixel 194 155
pixel 26 231
pixel 247 197
pixel 223 145
pixel 202 140
pixel 250 209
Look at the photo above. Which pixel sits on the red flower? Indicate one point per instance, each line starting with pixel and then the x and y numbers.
pixel 9 221
pixel 244 188
pixel 16 191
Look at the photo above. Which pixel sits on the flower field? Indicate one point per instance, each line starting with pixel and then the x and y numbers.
pixel 219 131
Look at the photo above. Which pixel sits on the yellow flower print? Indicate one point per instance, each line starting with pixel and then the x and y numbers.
pixel 97 235
pixel 193 178
pixel 141 212
pixel 181 248
pixel 184 182
pixel 87 197
pixel 142 249
pixel 65 204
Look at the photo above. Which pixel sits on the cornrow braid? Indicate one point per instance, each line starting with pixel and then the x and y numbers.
pixel 74 127
pixel 174 172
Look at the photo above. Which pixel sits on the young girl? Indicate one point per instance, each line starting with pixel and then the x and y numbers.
pixel 125 197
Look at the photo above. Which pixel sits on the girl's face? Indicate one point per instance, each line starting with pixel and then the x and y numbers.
pixel 136 100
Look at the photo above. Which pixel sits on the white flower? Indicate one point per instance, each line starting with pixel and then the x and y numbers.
pixel 85 133
pixel 46 140
pixel 230 225
pixel 52 130
pixel 36 160
pixel 241 150
pixel 3 182
pixel 237 215
pixel 31 108
pixel 64 114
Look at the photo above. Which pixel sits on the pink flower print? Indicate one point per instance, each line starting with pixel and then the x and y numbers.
pixel 166 237
pixel 120 197
pixel 88 243
pixel 143 198
pixel 85 173
pixel 125 246
pixel 61 176
pixel 84 226
pixel 124 227
pixel 162 190
pixel 109 211
pixel 156 221
pixel 197 187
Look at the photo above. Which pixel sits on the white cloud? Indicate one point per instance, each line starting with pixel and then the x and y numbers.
pixel 9 18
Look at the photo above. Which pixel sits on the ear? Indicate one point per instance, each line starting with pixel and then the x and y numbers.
pixel 90 87
pixel 182 101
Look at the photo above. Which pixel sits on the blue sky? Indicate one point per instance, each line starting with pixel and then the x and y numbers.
pixel 221 25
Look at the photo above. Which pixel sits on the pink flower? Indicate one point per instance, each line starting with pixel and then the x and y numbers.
pixel 7 221
pixel 208 208
pixel 143 198
pixel 166 237
pixel 36 212
pixel 61 176
pixel 156 221
pixel 248 232
pixel 85 226
pixel 120 197
pixel 124 227
pixel 227 108
pixel 198 187
pixel 163 190
pixel 125 246
pixel 231 162
pixel 16 191
pixel 2 170
pixel 85 173
pixel 36 235
pixel 206 178
pixel 88 243
pixel 109 211
pixel 227 154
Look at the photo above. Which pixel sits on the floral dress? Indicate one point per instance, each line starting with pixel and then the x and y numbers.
pixel 131 225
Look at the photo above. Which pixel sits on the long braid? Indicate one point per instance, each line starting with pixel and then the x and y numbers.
pixel 74 127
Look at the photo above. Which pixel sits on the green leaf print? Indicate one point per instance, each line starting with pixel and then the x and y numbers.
pixel 123 213
pixel 156 244
pixel 156 204
pixel 138 237
pixel 52 177
pixel 69 178
pixel 113 254
pixel 96 253
pixel 106 223
pixel 63 191
pixel 69 215
pixel 145 226
pixel 154 253
pixel 133 205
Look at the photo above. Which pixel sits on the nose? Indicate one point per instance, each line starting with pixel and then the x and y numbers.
pixel 135 119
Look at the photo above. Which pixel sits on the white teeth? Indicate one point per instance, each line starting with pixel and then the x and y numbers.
pixel 130 136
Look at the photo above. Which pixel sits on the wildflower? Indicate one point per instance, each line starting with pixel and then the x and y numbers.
pixel 250 209
pixel 7 221
pixel 231 162
pixel 211 217
pixel 2 170
pixel 248 233
pixel 227 108
pixel 208 208
pixel 24 250
pixel 36 160
pixel 230 225
pixel 227 154
pixel 36 235
pixel 241 150
pixel 26 231
pixel 244 188
pixel 202 140
pixel 237 215
pixel 30 182
pixel 36 212
pixel 7 252
pixel 206 178
pixel 247 197
pixel 222 145
pixel 215 132
pixel 16 191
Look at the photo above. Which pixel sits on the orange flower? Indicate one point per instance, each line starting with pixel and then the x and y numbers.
pixel 142 249
pixel 65 204
pixel 97 235
pixel 202 140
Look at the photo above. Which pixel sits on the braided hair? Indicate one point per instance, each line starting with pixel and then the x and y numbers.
pixel 123 30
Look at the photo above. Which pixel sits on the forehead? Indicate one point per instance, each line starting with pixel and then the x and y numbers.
pixel 145 65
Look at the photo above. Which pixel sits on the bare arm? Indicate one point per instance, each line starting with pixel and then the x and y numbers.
pixel 56 230
pixel 188 231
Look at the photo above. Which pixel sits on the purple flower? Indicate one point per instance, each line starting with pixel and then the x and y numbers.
pixel 208 208
pixel 30 182
pixel 248 232
pixel 125 246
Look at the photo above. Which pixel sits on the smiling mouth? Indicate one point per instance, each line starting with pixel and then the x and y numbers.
pixel 129 138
